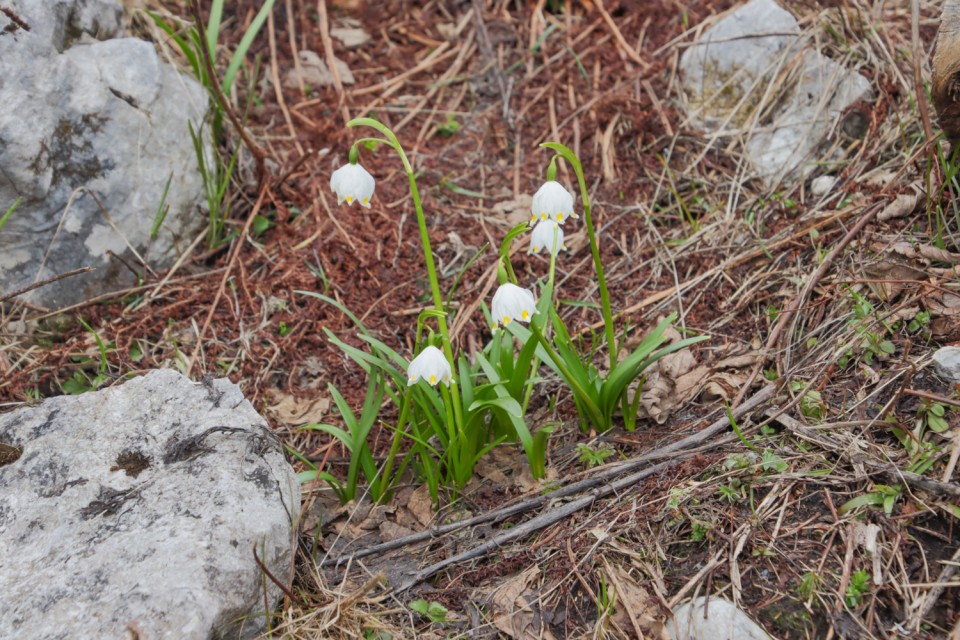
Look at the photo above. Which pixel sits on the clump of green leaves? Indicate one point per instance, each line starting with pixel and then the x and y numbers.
pixel 732 492
pixel 216 170
pixel 809 583
pixel 699 530
pixel 595 456
pixel 858 587
pixel 811 403
pixel 432 611
pixel 871 343
pixel 354 438
pixel 932 415
pixel 884 496
pixel 80 382
pixel 450 127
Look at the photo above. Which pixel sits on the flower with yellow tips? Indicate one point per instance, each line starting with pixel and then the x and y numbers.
pixel 552 202
pixel 547 235
pixel 510 303
pixel 351 182
pixel 430 365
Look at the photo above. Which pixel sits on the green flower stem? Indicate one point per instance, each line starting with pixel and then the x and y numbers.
pixel 597 415
pixel 571 157
pixel 394 446
pixel 391 139
pixel 360 141
pixel 508 239
pixel 550 287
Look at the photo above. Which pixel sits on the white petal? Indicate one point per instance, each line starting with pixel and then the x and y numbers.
pixel 510 303
pixel 351 182
pixel 552 202
pixel 431 365
pixel 543 237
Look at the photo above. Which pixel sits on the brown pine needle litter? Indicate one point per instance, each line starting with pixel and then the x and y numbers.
pixel 829 512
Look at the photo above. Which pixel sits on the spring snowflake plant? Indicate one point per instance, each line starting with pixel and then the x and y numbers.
pixel 453 411
pixel 598 397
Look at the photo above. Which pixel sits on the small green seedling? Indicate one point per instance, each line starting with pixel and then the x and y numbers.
pixel 594 457
pixel 450 127
pixel 859 585
pixel 433 611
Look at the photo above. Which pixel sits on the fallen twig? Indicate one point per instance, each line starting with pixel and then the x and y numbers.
pixel 814 435
pixel 43 283
pixel 241 239
pixel 789 314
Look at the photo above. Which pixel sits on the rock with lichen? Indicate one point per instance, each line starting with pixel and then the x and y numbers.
pixel 135 511
pixel 93 126
pixel 755 76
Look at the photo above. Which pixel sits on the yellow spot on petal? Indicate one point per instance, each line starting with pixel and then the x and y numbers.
pixel 525 315
pixel 433 379
pixel 506 320
pixel 349 199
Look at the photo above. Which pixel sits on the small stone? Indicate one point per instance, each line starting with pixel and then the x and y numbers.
pixel 822 185
pixel 315 72
pixel 718 620
pixel 351 37
pixel 946 361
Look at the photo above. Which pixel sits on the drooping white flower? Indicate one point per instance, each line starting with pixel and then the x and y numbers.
pixel 552 202
pixel 431 365
pixel 547 235
pixel 352 182
pixel 510 303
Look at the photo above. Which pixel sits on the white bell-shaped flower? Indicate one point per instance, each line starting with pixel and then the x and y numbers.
pixel 351 182
pixel 552 202
pixel 431 365
pixel 547 235
pixel 511 302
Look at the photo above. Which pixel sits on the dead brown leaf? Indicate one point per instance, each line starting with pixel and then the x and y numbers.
pixel 390 530
pixel 512 613
pixel 902 205
pixel 293 411
pixel 659 396
pixel 674 381
pixel 635 607
pixel 892 274
pixel 420 506
pixel 513 211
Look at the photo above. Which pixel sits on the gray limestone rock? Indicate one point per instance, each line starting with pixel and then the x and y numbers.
pixel 84 117
pixel 754 71
pixel 946 361
pixel 137 508
pixel 717 620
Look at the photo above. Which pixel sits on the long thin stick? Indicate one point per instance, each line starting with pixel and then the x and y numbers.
pixel 788 315
pixel 226 276
pixel 43 283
